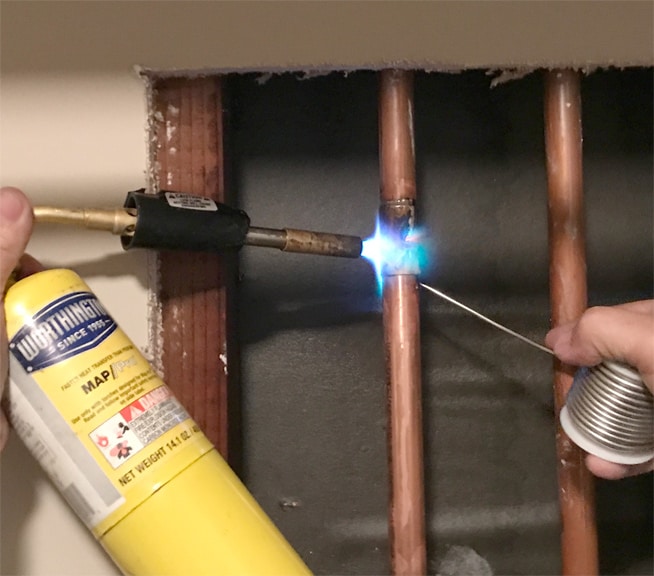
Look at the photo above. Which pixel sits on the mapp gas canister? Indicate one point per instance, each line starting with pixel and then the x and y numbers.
pixel 121 449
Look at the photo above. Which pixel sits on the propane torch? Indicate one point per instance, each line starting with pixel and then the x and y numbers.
pixel 175 221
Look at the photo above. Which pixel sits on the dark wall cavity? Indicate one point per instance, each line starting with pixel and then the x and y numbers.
pixel 304 155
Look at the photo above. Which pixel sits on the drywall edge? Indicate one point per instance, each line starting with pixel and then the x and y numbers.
pixel 186 35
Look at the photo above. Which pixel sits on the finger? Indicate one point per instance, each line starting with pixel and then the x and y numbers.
pixel 607 470
pixel 615 334
pixel 4 431
pixel 562 333
pixel 27 266
pixel 612 471
pixel 15 229
pixel 641 306
pixel 621 333
pixel 558 340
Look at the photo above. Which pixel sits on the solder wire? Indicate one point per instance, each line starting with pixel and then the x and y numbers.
pixel 486 319
pixel 608 402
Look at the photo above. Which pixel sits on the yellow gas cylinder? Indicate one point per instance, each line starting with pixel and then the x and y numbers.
pixel 122 450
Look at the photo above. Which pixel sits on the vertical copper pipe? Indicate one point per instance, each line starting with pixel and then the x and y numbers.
pixel 563 143
pixel 402 331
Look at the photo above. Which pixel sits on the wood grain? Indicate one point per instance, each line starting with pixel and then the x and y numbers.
pixel 199 358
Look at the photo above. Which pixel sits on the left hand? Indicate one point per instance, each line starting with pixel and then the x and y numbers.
pixel 15 229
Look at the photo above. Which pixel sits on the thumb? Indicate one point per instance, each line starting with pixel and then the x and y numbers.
pixel 624 333
pixel 15 229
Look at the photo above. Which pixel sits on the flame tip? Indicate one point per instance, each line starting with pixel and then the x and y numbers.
pixel 386 253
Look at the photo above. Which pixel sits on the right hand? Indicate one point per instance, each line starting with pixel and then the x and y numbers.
pixel 624 333
pixel 15 229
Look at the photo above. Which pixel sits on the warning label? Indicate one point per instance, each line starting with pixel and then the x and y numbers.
pixel 187 202
pixel 138 424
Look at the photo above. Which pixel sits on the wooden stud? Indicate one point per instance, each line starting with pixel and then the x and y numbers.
pixel 198 355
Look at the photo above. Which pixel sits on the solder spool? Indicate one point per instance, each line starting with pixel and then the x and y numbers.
pixel 609 412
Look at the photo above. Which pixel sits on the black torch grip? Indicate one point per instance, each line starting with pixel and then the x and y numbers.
pixel 175 221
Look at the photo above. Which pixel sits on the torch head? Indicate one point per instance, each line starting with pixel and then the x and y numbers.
pixel 174 221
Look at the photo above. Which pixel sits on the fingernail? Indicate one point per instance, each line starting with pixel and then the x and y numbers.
pixel 11 205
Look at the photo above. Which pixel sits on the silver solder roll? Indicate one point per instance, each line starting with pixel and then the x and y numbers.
pixel 609 412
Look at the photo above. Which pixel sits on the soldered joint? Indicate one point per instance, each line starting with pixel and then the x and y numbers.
pixel 396 224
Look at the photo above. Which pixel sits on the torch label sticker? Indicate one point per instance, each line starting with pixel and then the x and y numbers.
pixel 137 425
pixel 59 450
pixel 187 202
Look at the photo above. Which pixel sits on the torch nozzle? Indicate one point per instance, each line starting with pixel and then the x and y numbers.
pixel 120 221
pixel 305 241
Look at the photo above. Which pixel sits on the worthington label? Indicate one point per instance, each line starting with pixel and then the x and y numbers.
pixel 66 327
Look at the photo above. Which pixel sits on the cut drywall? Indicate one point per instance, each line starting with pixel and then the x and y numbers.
pixel 268 36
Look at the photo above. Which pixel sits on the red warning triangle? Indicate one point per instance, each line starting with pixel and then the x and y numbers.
pixel 134 412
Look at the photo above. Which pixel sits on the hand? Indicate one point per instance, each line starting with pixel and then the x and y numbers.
pixel 624 333
pixel 15 230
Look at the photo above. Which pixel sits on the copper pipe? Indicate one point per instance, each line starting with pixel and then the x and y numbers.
pixel 563 143
pixel 402 330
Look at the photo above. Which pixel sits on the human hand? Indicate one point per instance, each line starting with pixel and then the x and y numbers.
pixel 15 230
pixel 624 333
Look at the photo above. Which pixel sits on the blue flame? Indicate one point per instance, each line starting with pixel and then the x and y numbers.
pixel 389 254
pixel 374 249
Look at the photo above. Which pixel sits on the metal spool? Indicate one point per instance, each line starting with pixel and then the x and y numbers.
pixel 609 412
